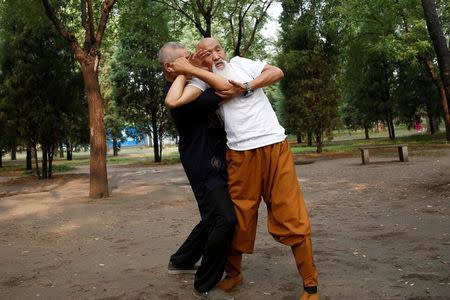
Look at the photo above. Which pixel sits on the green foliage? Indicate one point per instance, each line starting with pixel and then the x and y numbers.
pixel 385 47
pixel 61 168
pixel 415 94
pixel 136 71
pixel 40 94
pixel 309 60
pixel 236 23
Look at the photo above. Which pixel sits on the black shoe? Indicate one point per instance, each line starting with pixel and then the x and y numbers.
pixel 175 269
pixel 213 294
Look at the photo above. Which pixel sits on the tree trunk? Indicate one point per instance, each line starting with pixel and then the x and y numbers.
pixel 98 173
pixel 36 160
pixel 443 96
pixel 391 129
pixel 115 148
pixel 160 146
pixel 61 151
pixel 439 43
pixel 208 27
pixel 299 138
pixel 89 57
pixel 51 153
pixel 319 142
pixel 1 158
pixel 430 117
pixel 155 138
pixel 29 163
pixel 14 151
pixel 44 161
pixel 436 121
pixel 366 131
pixel 69 151
pixel 309 139
pixel 237 48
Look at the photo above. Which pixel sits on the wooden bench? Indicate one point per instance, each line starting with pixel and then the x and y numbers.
pixel 402 152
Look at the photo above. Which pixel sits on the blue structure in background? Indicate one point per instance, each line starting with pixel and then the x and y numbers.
pixel 131 137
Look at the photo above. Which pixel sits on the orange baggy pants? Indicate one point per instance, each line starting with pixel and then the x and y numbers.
pixel 269 173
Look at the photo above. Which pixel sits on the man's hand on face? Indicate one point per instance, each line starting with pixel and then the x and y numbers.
pixel 236 89
pixel 181 66
pixel 199 58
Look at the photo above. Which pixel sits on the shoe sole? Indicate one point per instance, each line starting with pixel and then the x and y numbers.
pixel 197 296
pixel 176 272
pixel 235 285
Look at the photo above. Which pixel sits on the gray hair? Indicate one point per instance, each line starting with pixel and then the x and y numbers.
pixel 165 56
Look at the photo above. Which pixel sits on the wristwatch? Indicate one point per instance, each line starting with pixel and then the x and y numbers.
pixel 248 90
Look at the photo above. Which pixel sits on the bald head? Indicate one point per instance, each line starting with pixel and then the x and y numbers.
pixel 206 43
pixel 218 56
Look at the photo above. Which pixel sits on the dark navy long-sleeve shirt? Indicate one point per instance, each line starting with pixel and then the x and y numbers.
pixel 202 142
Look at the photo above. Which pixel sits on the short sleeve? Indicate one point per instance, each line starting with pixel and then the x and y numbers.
pixel 201 85
pixel 254 67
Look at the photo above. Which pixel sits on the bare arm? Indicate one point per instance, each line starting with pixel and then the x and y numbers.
pixel 180 94
pixel 269 75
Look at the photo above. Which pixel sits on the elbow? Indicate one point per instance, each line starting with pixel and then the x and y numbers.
pixel 276 74
pixel 170 104
pixel 279 74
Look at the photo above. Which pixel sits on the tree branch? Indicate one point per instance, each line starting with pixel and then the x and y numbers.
pixel 176 7
pixel 83 15
pixel 197 21
pixel 248 8
pixel 107 6
pixel 257 22
pixel 79 54
pixel 90 22
pixel 216 7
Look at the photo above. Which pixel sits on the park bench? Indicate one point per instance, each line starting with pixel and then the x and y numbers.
pixel 402 152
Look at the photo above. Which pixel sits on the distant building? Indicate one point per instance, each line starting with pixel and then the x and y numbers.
pixel 131 137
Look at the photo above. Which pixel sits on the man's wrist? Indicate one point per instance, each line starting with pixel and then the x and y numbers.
pixel 248 90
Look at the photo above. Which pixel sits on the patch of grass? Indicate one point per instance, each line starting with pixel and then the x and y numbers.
pixel 121 160
pixel 61 168
pixel 76 161
pixel 347 146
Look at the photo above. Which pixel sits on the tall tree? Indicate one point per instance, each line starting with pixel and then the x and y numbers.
pixel 237 22
pixel 396 32
pixel 88 55
pixel 38 71
pixel 136 70
pixel 243 19
pixel 200 14
pixel 309 59
pixel 442 52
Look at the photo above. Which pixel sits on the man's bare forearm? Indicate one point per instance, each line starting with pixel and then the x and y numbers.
pixel 269 75
pixel 175 92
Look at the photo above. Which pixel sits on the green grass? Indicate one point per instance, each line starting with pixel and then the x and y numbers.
pixel 61 168
pixel 343 144
pixel 421 140
pixel 130 156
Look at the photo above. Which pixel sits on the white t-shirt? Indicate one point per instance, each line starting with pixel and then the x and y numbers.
pixel 249 122
pixel 201 85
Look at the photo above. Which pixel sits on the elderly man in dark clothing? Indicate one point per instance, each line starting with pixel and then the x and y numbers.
pixel 202 147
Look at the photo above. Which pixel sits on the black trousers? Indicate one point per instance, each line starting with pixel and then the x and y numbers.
pixel 210 239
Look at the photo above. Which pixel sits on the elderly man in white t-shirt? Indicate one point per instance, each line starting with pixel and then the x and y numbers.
pixel 260 164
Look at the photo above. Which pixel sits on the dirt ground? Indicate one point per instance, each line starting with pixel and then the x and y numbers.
pixel 380 231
